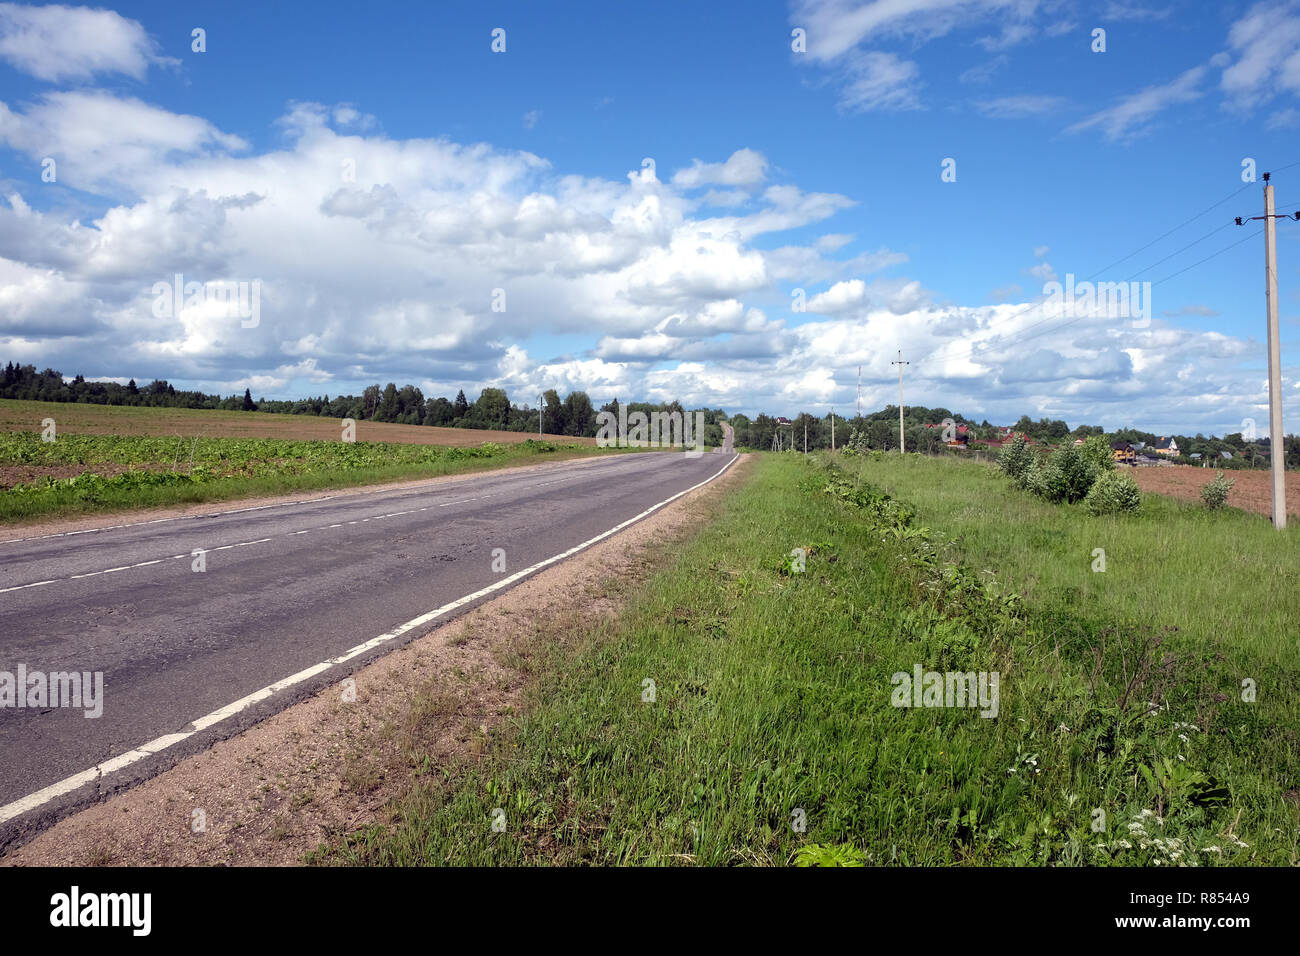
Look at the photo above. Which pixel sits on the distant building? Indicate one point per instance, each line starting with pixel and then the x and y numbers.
pixel 1123 452
pixel 1166 446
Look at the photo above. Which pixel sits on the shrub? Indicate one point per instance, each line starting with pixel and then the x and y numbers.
pixel 1097 452
pixel 1215 493
pixel 857 443
pixel 1113 493
pixel 1077 472
pixel 1015 460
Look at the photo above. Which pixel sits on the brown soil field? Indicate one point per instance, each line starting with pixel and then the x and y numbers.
pixel 132 420
pixel 1253 490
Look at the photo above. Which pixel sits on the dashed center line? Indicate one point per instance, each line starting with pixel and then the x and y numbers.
pixel 243 544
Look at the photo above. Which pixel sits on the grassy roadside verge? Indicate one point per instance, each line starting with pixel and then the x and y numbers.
pixel 1221 577
pixel 127 472
pixel 768 735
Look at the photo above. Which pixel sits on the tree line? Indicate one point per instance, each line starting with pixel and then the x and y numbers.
pixel 574 415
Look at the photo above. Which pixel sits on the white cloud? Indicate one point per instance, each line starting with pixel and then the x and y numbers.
pixel 1018 107
pixel 881 81
pixel 1266 46
pixel 1131 114
pixel 58 43
pixel 390 278
pixel 1288 118
pixel 983 72
pixel 100 141
pixel 744 168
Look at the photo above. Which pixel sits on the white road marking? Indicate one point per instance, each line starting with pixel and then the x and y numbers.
pixel 133 524
pixel 288 504
pixel 34 584
pixel 227 547
pixel 67 785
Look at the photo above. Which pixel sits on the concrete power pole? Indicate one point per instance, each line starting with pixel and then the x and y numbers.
pixel 859 393
pixel 832 429
pixel 1276 440
pixel 541 410
pixel 902 443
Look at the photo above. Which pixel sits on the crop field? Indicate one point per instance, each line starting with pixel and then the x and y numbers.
pixel 106 458
pixel 194 422
pixel 1146 713
pixel 1252 491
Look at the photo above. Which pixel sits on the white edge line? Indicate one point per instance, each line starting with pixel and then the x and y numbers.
pixel 67 785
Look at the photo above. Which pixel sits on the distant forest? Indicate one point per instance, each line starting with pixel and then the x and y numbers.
pixel 575 415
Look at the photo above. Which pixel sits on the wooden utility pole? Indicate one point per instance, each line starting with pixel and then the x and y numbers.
pixel 541 410
pixel 832 429
pixel 1276 440
pixel 805 436
pixel 902 442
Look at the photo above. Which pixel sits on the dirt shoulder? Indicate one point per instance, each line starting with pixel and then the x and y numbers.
pixel 328 766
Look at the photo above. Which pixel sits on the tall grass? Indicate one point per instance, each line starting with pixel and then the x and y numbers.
pixel 771 737
pixel 1226 578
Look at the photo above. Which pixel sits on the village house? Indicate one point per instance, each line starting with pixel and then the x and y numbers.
pixel 1166 446
pixel 1123 452
pixel 961 438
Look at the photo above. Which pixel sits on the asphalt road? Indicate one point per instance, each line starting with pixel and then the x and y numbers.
pixel 285 592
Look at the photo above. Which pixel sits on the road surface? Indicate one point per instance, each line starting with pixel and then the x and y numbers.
pixel 290 598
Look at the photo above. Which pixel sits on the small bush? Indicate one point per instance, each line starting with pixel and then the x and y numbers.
pixel 1044 479
pixel 1016 460
pixel 1097 452
pixel 857 443
pixel 1077 470
pixel 1113 493
pixel 1215 493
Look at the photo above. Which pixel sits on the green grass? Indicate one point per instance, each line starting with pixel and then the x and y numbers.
pixel 773 701
pixel 167 471
pixel 1221 577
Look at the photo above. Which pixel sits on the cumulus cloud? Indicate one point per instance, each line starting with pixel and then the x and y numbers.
pixel 378 260
pixel 744 168
pixel 57 43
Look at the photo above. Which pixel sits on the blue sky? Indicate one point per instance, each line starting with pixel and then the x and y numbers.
pixel 773 170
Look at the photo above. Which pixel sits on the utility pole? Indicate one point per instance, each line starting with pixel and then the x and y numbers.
pixel 859 392
pixel 902 442
pixel 832 429
pixel 541 410
pixel 1276 440
pixel 805 436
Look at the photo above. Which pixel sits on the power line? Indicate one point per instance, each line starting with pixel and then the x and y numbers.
pixel 1034 305
pixel 1087 315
